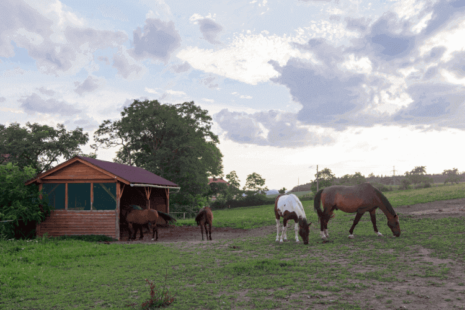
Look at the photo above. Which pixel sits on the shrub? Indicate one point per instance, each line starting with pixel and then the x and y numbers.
pixel 381 187
pixel 20 203
pixel 405 184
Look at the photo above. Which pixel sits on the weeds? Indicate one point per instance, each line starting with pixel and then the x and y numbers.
pixel 159 297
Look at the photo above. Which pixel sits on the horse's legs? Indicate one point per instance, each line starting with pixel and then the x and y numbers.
pixel 357 218
pixel 132 232
pixel 373 220
pixel 296 228
pixel 322 226
pixel 283 233
pixel 154 230
pixel 210 230
pixel 141 227
pixel 277 230
pixel 201 229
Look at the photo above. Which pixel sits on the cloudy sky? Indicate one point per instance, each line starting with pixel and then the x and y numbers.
pixel 351 85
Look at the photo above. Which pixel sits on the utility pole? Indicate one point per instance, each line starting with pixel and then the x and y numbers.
pixel 317 179
pixel 394 175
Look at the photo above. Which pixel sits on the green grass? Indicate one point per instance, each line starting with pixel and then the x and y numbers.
pixel 250 273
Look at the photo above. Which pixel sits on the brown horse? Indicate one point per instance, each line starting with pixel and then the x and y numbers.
pixel 205 217
pixel 136 219
pixel 290 208
pixel 351 199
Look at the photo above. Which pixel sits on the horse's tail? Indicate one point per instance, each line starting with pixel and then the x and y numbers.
pixel 199 216
pixel 316 204
pixel 166 217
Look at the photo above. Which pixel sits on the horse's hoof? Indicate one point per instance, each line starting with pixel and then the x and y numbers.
pixel 297 241
pixel 351 236
pixel 379 234
pixel 280 241
pixel 153 239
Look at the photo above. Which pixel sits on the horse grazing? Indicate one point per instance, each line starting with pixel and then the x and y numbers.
pixel 289 207
pixel 360 198
pixel 205 217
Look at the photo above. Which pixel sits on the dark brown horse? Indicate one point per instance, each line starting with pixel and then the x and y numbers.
pixel 205 217
pixel 351 199
pixel 137 218
pixel 289 207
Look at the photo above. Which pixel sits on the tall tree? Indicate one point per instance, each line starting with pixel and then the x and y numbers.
pixel 325 178
pixel 39 146
pixel 174 141
pixel 255 184
pixel 234 185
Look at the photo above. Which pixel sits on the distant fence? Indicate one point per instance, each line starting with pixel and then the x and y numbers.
pixel 183 215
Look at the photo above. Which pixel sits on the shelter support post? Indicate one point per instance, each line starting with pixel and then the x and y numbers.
pixel 119 194
pixel 148 191
pixel 167 192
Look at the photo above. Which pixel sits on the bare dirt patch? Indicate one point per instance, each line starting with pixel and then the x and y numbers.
pixel 435 209
pixel 191 234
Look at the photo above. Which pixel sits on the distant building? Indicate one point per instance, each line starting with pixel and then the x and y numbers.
pixel 216 180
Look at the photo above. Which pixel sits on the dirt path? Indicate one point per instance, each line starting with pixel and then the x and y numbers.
pixel 435 209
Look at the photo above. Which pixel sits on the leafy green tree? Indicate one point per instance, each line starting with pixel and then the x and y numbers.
pixel 218 189
pixel 255 184
pixel 282 190
pixel 40 146
pixel 20 203
pixel 234 185
pixel 453 176
pixel 174 141
pixel 325 177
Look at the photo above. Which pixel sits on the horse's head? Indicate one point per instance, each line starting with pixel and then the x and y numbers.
pixel 304 229
pixel 393 223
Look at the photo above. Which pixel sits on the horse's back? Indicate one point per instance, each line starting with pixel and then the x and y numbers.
pixel 142 216
pixel 350 198
pixel 290 203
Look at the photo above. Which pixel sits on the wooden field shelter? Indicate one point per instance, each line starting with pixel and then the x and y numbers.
pixel 87 195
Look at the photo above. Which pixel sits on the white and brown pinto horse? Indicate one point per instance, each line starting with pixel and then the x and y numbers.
pixel 289 207
pixel 354 199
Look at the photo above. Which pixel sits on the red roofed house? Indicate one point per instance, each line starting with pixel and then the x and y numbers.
pixel 87 194
pixel 215 180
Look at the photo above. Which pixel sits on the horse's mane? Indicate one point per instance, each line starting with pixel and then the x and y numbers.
pixel 386 203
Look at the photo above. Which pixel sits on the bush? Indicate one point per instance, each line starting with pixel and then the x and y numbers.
pixel 381 187
pixel 20 203
pixel 405 184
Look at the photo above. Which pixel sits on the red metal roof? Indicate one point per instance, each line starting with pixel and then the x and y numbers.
pixel 129 173
pixel 215 180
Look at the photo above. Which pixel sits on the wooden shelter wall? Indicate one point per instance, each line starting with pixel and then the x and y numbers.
pixel 77 171
pixel 63 222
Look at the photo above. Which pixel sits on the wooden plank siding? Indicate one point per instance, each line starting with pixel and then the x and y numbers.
pixel 77 171
pixel 63 222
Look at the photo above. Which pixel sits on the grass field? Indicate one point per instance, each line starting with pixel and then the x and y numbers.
pixel 251 273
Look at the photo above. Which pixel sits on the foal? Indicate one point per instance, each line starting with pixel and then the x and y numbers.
pixel 290 208
pixel 205 217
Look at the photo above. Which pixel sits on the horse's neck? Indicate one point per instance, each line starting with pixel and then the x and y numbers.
pixel 386 212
